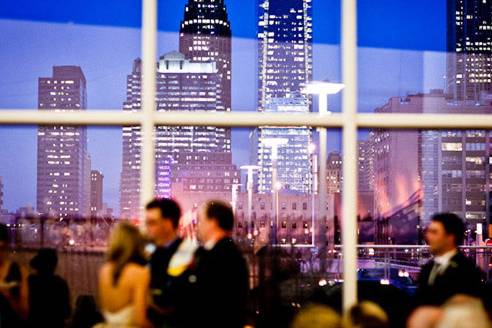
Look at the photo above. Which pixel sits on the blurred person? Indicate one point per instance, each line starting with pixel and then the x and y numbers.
pixel 463 311
pixel 49 296
pixel 424 317
pixel 366 315
pixel 124 279
pixel 220 276
pixel 14 290
pixel 317 316
pixel 168 264
pixel 86 314
pixel 449 272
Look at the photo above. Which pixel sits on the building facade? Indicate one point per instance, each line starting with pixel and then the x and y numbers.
pixel 205 36
pixel 182 85
pixel 97 183
pixel 365 166
pixel 63 163
pixel 469 46
pixel 424 172
pixel 396 161
pixel 293 158
pixel 334 176
pixel 285 67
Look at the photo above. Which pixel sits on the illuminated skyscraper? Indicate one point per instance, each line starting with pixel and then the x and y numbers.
pixel 469 46
pixel 285 67
pixel 63 164
pixel 205 36
pixel 185 86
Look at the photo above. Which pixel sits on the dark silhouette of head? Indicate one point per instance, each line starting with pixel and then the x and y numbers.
pixel 4 233
pixel 45 261
pixel 222 213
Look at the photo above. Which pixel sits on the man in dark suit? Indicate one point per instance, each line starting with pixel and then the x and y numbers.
pixel 221 274
pixel 162 219
pixel 450 272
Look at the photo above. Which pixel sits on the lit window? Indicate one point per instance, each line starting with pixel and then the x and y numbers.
pixel 452 146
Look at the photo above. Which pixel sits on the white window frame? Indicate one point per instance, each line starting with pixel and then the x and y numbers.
pixel 349 120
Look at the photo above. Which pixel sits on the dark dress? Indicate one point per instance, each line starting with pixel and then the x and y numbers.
pixel 460 277
pixel 49 301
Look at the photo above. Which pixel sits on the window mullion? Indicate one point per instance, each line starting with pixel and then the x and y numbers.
pixel 149 66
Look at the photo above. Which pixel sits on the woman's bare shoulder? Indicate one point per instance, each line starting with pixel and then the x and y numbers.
pixel 131 271
pixel 134 268
pixel 135 271
pixel 105 270
pixel 106 267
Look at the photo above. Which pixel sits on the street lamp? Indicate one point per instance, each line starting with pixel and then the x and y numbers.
pixel 322 89
pixel 234 190
pixel 274 144
pixel 250 169
pixel 314 184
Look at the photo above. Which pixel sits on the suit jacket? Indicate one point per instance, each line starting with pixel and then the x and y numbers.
pixel 49 301
pixel 221 286
pixel 168 293
pixel 461 276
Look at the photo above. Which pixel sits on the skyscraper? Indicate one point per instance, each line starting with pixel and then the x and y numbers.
pixel 456 166
pixel 205 36
pixel 97 183
pixel 469 46
pixel 365 178
pixel 285 48
pixel 186 86
pixel 396 156
pixel 294 171
pixel 163 177
pixel 285 67
pixel 334 173
pixel 365 166
pixel 63 163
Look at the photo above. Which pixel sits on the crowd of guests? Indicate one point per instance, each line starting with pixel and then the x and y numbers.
pixel 162 280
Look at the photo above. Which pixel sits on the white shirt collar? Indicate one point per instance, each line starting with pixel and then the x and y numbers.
pixel 209 244
pixel 444 259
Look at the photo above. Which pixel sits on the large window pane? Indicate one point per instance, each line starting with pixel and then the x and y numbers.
pixel 74 56
pixel 59 188
pixel 425 57
pixel 406 176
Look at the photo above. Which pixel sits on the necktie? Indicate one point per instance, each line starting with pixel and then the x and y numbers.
pixel 434 272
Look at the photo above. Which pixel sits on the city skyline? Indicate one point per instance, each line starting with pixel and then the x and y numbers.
pixel 404 61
